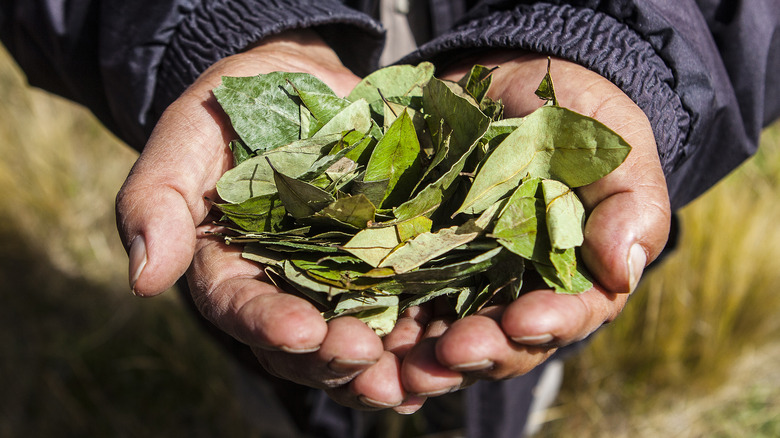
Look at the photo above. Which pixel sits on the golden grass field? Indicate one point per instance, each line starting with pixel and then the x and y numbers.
pixel 693 355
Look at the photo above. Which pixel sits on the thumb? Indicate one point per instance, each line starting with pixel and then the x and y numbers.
pixel 630 215
pixel 162 200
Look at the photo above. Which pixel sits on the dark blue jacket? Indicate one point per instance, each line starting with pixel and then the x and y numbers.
pixel 703 71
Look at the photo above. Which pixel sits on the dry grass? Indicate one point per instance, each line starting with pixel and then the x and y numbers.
pixel 82 357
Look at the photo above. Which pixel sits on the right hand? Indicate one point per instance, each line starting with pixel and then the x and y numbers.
pixel 162 216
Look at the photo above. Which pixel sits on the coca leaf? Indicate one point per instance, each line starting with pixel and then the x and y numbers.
pixel 264 109
pixel 300 198
pixel 565 215
pixel 254 176
pixel 372 245
pixel 396 158
pixel 261 213
pixel 357 211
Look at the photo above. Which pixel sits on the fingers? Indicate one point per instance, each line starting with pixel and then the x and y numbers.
pixel 472 348
pixel 334 363
pixel 162 200
pixel 378 387
pixel 545 318
pixel 505 342
pixel 289 336
pixel 408 330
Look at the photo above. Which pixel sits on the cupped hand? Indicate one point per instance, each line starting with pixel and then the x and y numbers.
pixel 627 227
pixel 162 216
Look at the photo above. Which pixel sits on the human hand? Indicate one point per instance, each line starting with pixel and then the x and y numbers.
pixel 627 227
pixel 162 216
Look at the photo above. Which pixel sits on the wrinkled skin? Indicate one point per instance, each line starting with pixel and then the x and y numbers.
pixel 163 216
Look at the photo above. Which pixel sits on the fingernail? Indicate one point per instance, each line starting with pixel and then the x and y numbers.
pixel 637 259
pixel 344 366
pixel 438 393
pixel 137 258
pixel 534 340
pixel 412 404
pixel 376 404
pixel 406 410
pixel 473 366
pixel 303 350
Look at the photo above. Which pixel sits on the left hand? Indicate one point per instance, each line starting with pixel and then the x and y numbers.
pixel 627 227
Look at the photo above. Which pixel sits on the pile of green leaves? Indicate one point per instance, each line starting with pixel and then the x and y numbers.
pixel 409 189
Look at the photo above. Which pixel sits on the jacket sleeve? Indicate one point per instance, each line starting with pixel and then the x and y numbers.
pixel 704 73
pixel 128 60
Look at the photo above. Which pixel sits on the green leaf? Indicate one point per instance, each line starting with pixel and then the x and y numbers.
pixel 356 211
pixel 552 143
pixel 506 275
pixel 264 109
pixel 432 195
pixel 396 158
pixel 546 90
pixel 396 80
pixel 465 120
pixel 308 126
pixel 322 106
pixel 518 224
pixel 340 275
pixel 477 81
pixel 259 254
pixel 381 322
pixel 254 177
pixel 498 131
pixel 453 271
pixel 565 263
pixel 577 279
pixel 300 198
pixel 571 148
pixel 373 190
pixel 415 252
pixel 262 213
pixel 409 229
pixel 565 215
pixel 298 279
pixel 372 245
pixel 355 117
pixel 463 300
pixel 420 299
pixel 293 246
pixel 475 302
pixel 327 164
pixel 379 312
pixel 241 153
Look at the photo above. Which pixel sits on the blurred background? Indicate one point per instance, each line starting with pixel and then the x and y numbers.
pixel 694 354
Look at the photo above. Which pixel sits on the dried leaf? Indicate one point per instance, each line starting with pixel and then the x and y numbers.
pixel 254 177
pixel 565 215
pixel 262 213
pixel 372 245
pixel 415 252
pixel 396 158
pixel 357 211
pixel 264 109
pixel 552 143
pixel 300 198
